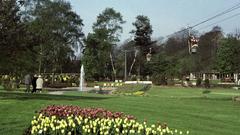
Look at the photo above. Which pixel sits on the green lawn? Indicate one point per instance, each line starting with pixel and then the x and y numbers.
pixel 181 108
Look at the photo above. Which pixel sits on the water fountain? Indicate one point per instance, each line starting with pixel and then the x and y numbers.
pixel 81 83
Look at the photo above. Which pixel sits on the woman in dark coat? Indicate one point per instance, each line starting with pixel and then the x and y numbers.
pixel 34 83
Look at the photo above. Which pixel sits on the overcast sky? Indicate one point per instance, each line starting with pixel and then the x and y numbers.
pixel 166 16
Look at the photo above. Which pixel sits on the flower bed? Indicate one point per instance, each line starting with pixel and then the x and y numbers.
pixel 73 120
pixel 132 89
pixel 65 111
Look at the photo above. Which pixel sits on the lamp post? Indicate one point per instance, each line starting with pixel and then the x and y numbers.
pixel 148 57
pixel 125 70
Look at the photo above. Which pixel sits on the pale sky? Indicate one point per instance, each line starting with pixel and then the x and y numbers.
pixel 166 16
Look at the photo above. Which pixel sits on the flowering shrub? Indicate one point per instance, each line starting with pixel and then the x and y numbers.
pixel 73 120
pixel 138 93
pixel 132 89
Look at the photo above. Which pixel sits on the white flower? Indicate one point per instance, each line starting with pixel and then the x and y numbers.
pixel 132 131
pixel 40 131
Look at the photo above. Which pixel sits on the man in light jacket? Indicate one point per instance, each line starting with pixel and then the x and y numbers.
pixel 39 83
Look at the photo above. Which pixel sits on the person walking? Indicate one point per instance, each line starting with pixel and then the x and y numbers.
pixel 39 83
pixel 27 82
pixel 34 83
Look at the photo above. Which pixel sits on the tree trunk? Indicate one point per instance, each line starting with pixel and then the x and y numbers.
pixel 113 68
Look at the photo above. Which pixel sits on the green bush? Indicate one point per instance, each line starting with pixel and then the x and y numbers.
pixel 206 91
pixel 145 87
pixel 199 82
pixel 92 84
pixel 134 78
pixel 170 82
pixel 206 83
pixel 159 80
pixel 224 85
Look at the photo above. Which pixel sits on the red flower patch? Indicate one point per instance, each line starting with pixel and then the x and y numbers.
pixel 65 110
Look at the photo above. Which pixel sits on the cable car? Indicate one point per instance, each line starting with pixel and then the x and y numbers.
pixel 193 44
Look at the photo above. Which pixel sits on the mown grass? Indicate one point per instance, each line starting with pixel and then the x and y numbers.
pixel 181 108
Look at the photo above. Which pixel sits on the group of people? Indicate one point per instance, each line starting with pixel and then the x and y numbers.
pixel 35 81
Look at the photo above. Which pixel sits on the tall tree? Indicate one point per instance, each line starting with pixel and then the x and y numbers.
pixel 91 59
pixel 15 47
pixel 174 46
pixel 142 33
pixel 59 32
pixel 142 37
pixel 106 32
pixel 208 45
pixel 110 21
pixel 228 55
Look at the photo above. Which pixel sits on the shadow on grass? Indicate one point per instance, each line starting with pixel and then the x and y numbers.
pixel 211 98
pixel 30 96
